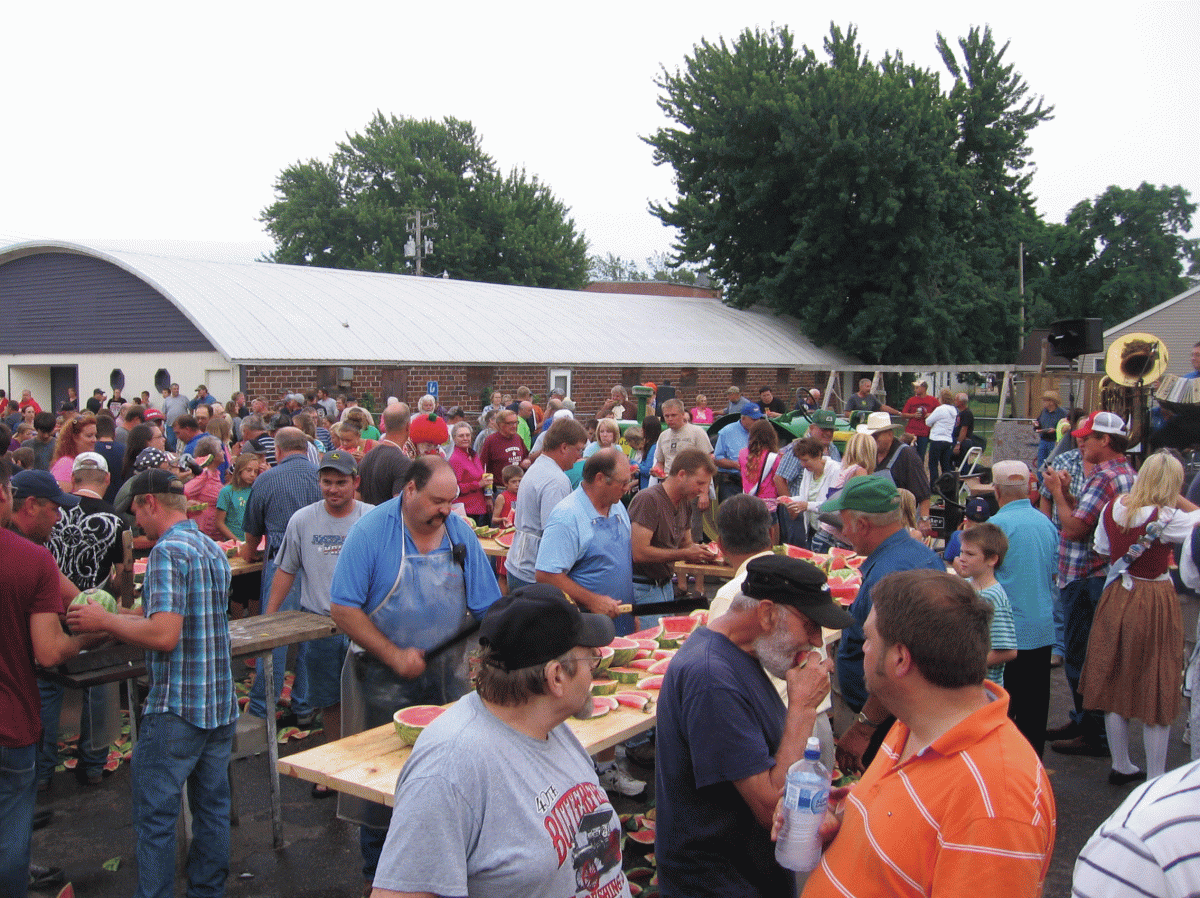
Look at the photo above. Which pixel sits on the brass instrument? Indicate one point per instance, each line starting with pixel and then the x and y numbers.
pixel 1133 364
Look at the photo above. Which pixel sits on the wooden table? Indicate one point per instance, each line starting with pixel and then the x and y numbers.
pixel 700 571
pixel 238 566
pixel 367 764
pixel 493 548
pixel 248 636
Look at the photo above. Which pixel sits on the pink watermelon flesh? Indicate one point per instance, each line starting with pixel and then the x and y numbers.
pixel 678 626
pixel 642 663
pixel 409 722
pixel 652 633
pixel 654 682
pixel 660 667
pixel 625 650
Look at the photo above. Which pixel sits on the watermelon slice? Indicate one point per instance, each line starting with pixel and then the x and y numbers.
pixel 506 538
pixel 660 667
pixel 654 682
pixel 636 698
pixel 604 687
pixel 642 836
pixel 602 704
pixel 627 675
pixel 843 593
pixel 625 650
pixel 798 552
pixel 701 616
pixel 651 633
pixel 648 644
pixel 664 653
pixel 410 722
pixel 642 663
pixel 606 656
pixel 675 631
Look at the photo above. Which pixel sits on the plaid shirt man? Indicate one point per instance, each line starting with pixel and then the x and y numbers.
pixel 278 494
pixel 187 574
pixel 1077 561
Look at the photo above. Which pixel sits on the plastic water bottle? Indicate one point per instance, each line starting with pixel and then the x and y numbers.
pixel 805 798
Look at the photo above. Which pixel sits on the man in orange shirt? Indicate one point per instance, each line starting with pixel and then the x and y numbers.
pixel 956 796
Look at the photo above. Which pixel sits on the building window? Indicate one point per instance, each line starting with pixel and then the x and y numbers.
pixel 560 378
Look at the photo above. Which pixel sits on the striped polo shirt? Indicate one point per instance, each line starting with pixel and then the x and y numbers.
pixel 1150 846
pixel 974 807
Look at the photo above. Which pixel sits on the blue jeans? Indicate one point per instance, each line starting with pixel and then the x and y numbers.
pixel 18 795
pixel 1079 599
pixel 920 444
pixel 300 706
pixel 171 753
pixel 91 761
pixel 644 593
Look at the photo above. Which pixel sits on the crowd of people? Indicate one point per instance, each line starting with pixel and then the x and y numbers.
pixel 943 678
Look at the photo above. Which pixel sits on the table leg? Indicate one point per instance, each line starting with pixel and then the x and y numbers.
pixel 272 749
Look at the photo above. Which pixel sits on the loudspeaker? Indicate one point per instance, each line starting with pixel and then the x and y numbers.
pixel 1074 337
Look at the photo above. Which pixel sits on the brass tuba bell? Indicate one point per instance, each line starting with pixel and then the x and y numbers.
pixel 1136 359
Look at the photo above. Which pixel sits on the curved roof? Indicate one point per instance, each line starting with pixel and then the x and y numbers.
pixel 266 313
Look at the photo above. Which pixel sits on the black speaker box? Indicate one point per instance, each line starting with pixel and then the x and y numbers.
pixel 1074 337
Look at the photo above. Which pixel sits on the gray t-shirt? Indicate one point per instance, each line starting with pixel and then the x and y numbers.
pixel 312 541
pixel 483 810
pixel 542 488
pixel 670 444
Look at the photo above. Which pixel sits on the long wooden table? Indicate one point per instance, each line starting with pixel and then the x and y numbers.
pixel 367 764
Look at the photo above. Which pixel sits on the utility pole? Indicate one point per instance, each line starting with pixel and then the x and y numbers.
pixel 418 246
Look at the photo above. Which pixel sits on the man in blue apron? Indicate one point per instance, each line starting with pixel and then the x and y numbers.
pixel 410 575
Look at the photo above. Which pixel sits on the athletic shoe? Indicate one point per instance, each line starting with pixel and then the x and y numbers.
pixel 614 779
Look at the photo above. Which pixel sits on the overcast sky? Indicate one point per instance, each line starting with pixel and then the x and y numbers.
pixel 134 122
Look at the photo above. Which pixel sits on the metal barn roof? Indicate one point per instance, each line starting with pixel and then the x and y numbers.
pixel 266 313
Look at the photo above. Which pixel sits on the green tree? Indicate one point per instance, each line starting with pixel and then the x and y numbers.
pixel 351 211
pixel 1134 251
pixel 829 190
pixel 659 267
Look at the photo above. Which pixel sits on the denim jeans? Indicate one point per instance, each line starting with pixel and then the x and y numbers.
pixel 300 705
pixel 18 794
pixel 171 753
pixel 644 593
pixel 91 761
pixel 1079 599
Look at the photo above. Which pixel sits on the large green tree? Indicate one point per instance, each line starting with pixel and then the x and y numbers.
pixel 828 189
pixel 1134 251
pixel 351 211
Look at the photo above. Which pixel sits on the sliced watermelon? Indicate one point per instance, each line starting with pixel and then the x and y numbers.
pixel 636 698
pixel 653 682
pixel 505 539
pixel 625 650
pixel 604 686
pixel 643 663
pixel 659 667
pixel 602 704
pixel 679 624
pixel 843 593
pixel 627 675
pixel 798 552
pixel 701 616
pixel 606 656
pixel 649 644
pixel 411 721
pixel 642 836
pixel 651 633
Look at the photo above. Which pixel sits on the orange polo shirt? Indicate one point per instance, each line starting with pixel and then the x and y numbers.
pixel 973 810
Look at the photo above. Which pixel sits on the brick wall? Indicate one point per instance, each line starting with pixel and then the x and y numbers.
pixel 460 385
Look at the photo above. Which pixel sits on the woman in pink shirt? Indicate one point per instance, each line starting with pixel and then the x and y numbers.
pixel 77 435
pixel 468 471
pixel 759 462
pixel 702 414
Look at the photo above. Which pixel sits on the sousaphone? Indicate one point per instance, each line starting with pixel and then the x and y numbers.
pixel 1132 364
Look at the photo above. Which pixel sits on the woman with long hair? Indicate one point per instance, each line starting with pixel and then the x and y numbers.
pixel 77 435
pixel 759 461
pixel 651 431
pixel 857 461
pixel 143 436
pixel 1135 652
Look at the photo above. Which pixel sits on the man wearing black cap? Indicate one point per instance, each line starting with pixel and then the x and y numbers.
pixel 499 797
pixel 725 738
pixel 312 543
pixel 186 735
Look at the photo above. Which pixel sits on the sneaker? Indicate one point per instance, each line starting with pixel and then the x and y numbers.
pixel 641 754
pixel 614 779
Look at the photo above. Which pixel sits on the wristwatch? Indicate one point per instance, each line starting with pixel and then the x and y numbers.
pixel 864 719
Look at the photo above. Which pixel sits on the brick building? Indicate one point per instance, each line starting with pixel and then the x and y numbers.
pixel 74 316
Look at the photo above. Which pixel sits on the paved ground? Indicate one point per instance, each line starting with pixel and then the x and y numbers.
pixel 320 858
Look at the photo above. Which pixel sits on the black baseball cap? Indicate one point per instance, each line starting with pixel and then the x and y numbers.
pixel 152 482
pixel 795 582
pixel 337 460
pixel 536 624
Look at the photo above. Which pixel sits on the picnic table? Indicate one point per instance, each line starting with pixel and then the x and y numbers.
pixel 367 764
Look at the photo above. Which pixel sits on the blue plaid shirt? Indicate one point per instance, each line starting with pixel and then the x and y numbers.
pixel 278 494
pixel 1077 561
pixel 188 574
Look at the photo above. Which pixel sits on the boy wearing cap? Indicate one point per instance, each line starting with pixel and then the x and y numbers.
pixel 977 511
pixel 312 542
pixel 1102 443
pixel 186 735
pixel 499 797
pixel 725 738
pixel 873 523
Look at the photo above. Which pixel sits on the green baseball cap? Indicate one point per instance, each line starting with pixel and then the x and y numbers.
pixel 869 494
pixel 824 418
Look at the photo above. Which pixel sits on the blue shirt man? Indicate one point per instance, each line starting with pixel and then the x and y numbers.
pixel 587 549
pixel 732 439
pixel 1027 576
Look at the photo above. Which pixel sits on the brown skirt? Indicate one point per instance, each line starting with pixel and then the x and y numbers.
pixel 1135 654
